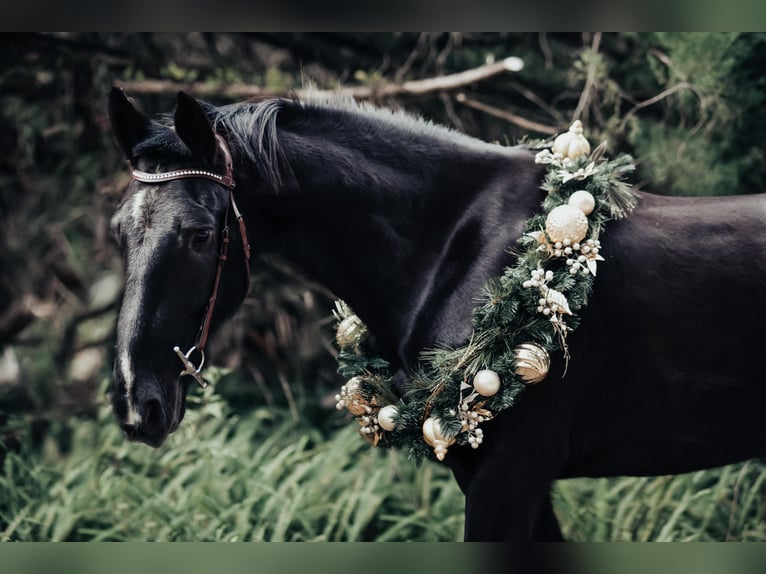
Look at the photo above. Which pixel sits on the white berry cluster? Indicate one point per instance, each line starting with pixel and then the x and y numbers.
pixel 470 413
pixel 369 424
pixel 581 257
pixel 538 279
pixel 469 421
pixel 364 411
pixel 552 303
pixel 351 398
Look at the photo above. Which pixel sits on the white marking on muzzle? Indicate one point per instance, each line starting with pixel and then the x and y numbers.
pixel 126 368
pixel 130 311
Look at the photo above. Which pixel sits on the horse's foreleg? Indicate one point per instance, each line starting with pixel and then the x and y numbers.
pixel 546 528
pixel 508 491
pixel 507 480
pixel 517 516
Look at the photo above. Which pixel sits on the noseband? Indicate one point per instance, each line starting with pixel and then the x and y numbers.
pixel 227 181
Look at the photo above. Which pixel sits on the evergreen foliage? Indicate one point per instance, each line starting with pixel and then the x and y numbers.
pixel 509 315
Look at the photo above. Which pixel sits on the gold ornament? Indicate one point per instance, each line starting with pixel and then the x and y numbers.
pixel 566 224
pixel 432 434
pixel 386 417
pixel 486 382
pixel 583 201
pixel 572 144
pixel 532 362
pixel 350 331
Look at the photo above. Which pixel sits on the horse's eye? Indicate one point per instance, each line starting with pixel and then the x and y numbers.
pixel 201 237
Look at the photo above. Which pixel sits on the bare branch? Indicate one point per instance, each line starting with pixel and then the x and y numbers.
pixel 416 51
pixel 199 89
pixel 507 116
pixel 546 49
pixel 653 100
pixel 413 87
pixel 590 79
pixel 450 109
pixel 22 313
pixel 537 100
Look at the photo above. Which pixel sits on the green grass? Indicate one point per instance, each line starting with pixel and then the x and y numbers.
pixel 725 504
pixel 225 477
pixel 261 476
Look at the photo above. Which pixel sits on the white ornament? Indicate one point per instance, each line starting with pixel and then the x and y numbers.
pixel 532 362
pixel 486 382
pixel 432 433
pixel 440 448
pixel 386 417
pixel 583 201
pixel 428 431
pixel 566 223
pixel 572 144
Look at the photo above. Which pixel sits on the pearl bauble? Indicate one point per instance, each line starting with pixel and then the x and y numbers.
pixel 583 201
pixel 386 417
pixel 486 382
pixel 532 362
pixel 572 144
pixel 566 223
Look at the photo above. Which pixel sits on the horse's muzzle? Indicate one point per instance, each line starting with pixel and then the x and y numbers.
pixel 152 429
pixel 145 418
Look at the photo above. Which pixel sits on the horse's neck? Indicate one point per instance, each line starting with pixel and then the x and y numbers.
pixel 407 235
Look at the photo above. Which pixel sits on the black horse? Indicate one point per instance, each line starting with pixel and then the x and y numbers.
pixel 406 221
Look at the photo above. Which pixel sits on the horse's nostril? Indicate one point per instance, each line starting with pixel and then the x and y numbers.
pixel 131 431
pixel 152 415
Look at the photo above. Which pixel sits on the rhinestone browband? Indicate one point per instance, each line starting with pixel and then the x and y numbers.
pixel 145 177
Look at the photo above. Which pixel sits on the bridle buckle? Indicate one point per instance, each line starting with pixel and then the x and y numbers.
pixel 189 368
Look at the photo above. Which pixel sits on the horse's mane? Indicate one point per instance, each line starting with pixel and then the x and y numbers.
pixel 251 128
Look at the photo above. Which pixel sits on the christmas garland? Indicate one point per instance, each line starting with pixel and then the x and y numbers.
pixel 526 315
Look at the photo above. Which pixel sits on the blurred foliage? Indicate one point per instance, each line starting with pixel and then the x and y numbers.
pixel 689 106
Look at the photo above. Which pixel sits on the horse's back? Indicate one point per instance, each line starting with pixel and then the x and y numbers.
pixel 672 342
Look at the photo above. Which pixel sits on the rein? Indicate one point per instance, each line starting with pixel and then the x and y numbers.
pixel 226 181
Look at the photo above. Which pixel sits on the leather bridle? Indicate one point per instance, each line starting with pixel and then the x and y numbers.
pixel 226 181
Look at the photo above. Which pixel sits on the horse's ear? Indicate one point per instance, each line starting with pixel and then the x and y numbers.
pixel 128 124
pixel 194 129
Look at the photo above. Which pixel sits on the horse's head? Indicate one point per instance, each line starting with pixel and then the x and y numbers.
pixel 170 233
